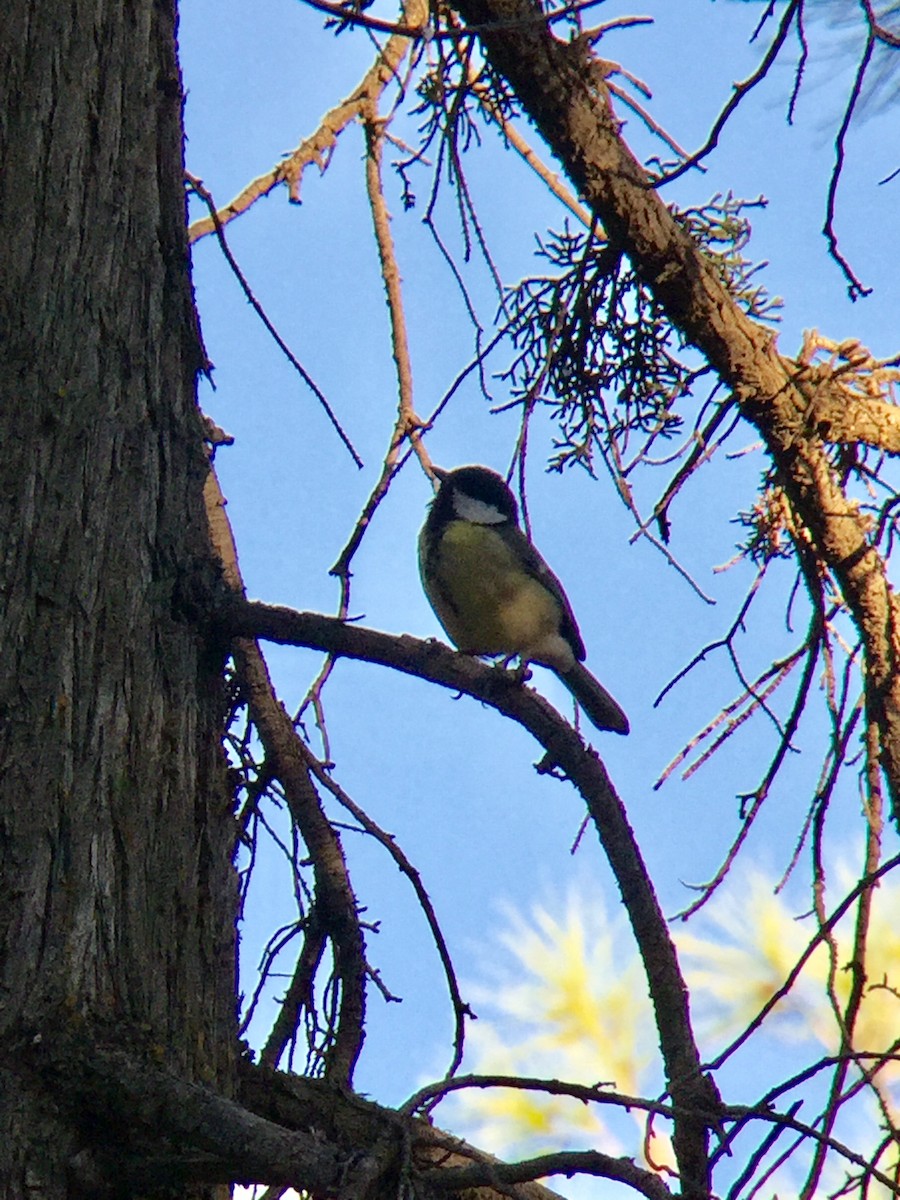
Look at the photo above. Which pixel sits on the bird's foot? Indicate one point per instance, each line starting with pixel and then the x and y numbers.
pixel 519 674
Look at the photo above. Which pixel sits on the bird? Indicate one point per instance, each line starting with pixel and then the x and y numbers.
pixel 493 593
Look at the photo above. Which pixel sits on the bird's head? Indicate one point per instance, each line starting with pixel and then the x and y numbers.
pixel 474 494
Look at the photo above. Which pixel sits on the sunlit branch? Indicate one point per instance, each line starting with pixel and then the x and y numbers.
pixel 408 423
pixel 318 147
pixel 638 109
pixel 879 30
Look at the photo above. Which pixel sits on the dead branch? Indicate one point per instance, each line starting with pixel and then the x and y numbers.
pixel 318 147
pixel 557 83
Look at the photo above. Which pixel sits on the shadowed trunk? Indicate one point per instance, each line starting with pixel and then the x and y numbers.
pixel 116 891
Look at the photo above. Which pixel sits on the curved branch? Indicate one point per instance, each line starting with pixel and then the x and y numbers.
pixel 738 92
pixel 461 1009
pixel 694 1095
pixel 855 289
pixel 281 1130
pixel 565 1162
pixel 351 1122
pixel 426 1097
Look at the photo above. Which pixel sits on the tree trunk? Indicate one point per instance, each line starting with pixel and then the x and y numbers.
pixel 116 888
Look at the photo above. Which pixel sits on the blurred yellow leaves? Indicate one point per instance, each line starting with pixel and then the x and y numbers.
pixel 567 1000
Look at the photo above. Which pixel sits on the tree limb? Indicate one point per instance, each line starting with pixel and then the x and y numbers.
pixel 694 1094
pixel 336 911
pixel 281 1130
pixel 561 87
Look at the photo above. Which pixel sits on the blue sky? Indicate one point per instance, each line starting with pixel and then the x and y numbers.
pixel 454 783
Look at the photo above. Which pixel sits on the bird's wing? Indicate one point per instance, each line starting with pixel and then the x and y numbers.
pixel 538 569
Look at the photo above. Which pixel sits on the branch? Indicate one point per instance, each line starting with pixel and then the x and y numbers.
pixel 319 145
pixel 692 1092
pixel 352 1122
pixel 336 910
pixel 426 1098
pixel 282 1130
pixel 133 1104
pixel 565 1162
pixel 738 92
pixel 561 88
pixel 388 842
pixel 855 289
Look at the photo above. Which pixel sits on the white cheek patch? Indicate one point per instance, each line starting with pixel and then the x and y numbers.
pixel 467 508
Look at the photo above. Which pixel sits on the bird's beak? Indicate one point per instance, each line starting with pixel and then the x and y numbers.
pixel 439 473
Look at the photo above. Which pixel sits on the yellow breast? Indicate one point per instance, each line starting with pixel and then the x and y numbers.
pixel 484 599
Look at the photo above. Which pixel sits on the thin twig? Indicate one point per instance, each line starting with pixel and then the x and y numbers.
pixel 739 91
pixel 461 1009
pixel 854 287
pixel 762 791
pixel 198 188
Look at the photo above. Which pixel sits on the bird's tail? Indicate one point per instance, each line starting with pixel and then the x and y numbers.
pixel 598 705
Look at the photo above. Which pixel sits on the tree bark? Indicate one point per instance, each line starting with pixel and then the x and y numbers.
pixel 561 87
pixel 116 888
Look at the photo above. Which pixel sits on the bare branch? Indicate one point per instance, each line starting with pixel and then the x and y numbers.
pixel 739 91
pixel 461 1009
pixel 855 289
pixel 566 1162
pixel 206 197
pixel 693 1092
pixel 319 146
pixel 335 907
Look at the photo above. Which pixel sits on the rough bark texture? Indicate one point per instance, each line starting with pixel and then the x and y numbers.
pixel 562 90
pixel 116 896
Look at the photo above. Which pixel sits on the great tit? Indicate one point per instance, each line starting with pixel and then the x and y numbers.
pixel 494 594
